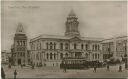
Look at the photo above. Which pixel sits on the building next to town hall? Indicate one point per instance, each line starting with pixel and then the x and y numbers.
pixel 115 47
pixel 49 50
pixel 19 51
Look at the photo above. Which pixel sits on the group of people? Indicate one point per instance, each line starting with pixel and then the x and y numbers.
pixel 4 76
pixel 108 68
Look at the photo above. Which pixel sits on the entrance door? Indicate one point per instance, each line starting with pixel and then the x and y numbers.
pixel 19 61
pixel 78 54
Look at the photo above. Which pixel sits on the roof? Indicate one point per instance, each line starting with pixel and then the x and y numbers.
pixel 115 38
pixel 20 29
pixel 72 13
pixel 64 37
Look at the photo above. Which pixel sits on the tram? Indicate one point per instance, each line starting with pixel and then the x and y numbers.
pixel 79 63
pixel 74 63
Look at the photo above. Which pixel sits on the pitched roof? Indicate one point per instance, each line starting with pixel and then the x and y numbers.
pixel 65 37
pixel 20 29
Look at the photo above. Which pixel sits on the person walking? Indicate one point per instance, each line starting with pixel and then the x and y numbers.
pixel 2 73
pixel 15 73
pixel 120 68
pixel 94 68
pixel 108 67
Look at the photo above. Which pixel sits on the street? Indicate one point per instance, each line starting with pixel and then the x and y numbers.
pixel 48 72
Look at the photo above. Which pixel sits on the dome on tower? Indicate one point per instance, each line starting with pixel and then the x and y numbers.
pixel 72 13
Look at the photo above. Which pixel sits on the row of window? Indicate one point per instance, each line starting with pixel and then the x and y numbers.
pixel 21 49
pixel 21 43
pixel 51 56
pixel 21 54
pixel 96 56
pixel 52 45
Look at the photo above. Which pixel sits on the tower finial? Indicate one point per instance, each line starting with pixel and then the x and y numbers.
pixel 72 13
pixel 20 29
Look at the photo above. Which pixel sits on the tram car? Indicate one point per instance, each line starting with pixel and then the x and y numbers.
pixel 74 63
pixel 79 63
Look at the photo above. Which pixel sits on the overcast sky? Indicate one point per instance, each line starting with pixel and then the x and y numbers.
pixel 97 19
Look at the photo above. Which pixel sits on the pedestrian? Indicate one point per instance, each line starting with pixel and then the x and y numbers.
pixel 64 69
pixel 9 66
pixel 2 73
pixel 120 68
pixel 94 68
pixel 15 73
pixel 108 67
pixel 32 66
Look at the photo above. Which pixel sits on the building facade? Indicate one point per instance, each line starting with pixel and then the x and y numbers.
pixel 19 47
pixel 115 47
pixel 49 50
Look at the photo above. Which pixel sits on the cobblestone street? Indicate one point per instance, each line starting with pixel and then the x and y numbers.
pixel 48 72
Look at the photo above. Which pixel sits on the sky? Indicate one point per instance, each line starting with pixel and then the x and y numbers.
pixel 102 19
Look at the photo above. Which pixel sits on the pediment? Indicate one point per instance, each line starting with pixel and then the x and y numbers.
pixel 75 39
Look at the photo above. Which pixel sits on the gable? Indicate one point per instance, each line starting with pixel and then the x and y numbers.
pixel 75 39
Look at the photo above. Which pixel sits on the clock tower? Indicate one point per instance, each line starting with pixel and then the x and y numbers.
pixel 72 25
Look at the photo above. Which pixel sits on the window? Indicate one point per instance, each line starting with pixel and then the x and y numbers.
pixel 75 46
pixel 54 56
pixel 92 47
pixel 66 55
pixel 24 43
pixel 51 45
pixel 37 57
pixel 95 47
pixel 18 43
pixel 82 46
pixel 86 46
pixel 47 45
pixel 98 56
pixel 51 56
pixel 54 45
pixel 66 46
pixel 95 55
pixel 61 56
pixel 61 45
pixel 47 55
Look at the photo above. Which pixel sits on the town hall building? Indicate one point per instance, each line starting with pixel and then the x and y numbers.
pixel 50 50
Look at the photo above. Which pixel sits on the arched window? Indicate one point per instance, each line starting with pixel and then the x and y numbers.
pixel 51 56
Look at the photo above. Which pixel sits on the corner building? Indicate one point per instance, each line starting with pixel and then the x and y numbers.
pixel 19 47
pixel 49 50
